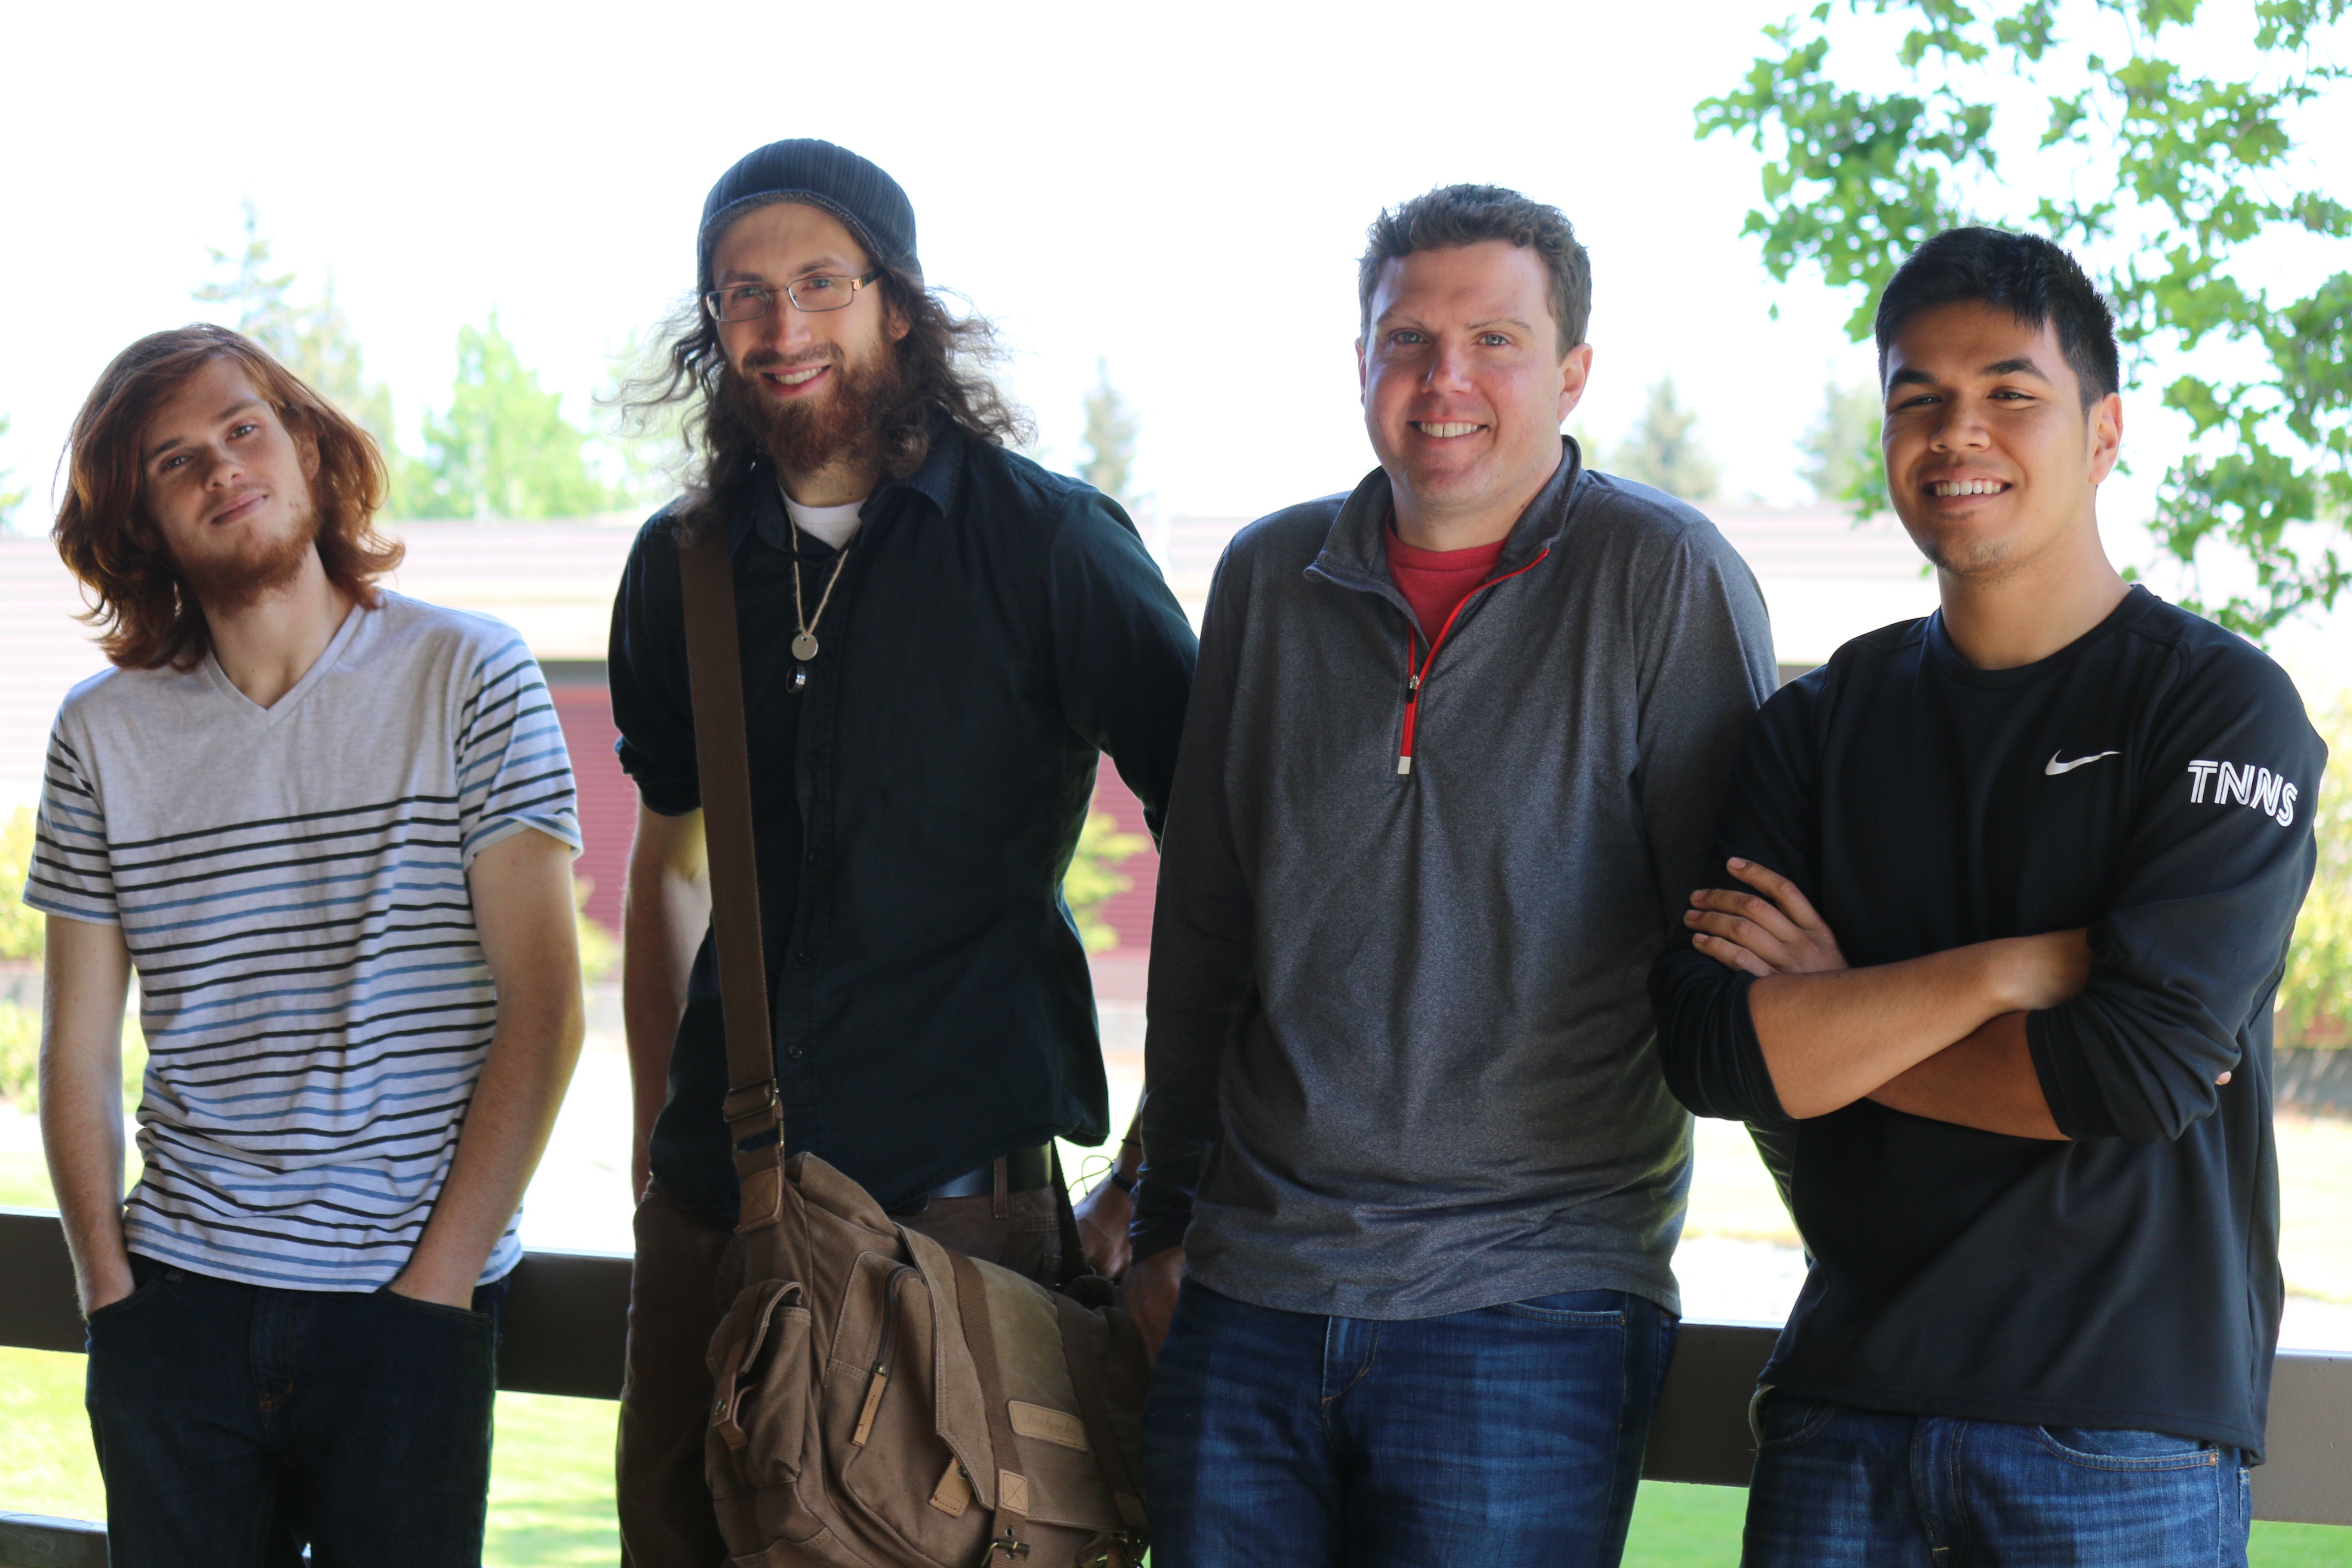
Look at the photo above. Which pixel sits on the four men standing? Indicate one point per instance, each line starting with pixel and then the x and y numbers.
pixel 1412 1173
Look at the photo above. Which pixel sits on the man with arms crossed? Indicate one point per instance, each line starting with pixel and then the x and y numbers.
pixel 332 829
pixel 939 638
pixel 1456 741
pixel 2000 1002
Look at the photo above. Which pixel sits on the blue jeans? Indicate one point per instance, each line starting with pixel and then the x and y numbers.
pixel 236 1423
pixel 1835 1486
pixel 1508 1434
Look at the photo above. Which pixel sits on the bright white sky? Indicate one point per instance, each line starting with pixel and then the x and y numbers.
pixel 1179 190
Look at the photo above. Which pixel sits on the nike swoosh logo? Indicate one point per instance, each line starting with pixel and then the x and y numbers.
pixel 2053 767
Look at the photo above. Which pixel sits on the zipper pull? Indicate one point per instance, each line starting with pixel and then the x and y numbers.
pixel 1412 683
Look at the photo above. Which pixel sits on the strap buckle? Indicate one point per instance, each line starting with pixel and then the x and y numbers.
pixel 1008 1544
pixel 751 1110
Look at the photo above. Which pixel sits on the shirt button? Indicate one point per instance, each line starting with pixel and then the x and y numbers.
pixel 816 857
pixel 794 1053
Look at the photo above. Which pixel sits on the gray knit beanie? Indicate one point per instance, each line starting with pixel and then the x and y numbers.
pixel 860 194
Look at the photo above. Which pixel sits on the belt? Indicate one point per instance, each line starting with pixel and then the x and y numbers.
pixel 1026 1171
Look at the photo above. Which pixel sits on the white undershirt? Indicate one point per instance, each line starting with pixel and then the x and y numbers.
pixel 833 524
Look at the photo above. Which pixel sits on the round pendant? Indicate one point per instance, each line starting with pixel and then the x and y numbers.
pixel 804 647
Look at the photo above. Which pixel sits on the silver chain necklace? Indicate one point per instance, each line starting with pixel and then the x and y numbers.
pixel 804 645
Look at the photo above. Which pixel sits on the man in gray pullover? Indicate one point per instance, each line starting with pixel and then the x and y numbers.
pixel 1451 766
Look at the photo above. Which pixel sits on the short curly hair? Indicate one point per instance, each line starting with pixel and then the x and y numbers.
pixel 145 615
pixel 1472 214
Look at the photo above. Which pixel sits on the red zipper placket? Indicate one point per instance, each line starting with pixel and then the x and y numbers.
pixel 1413 678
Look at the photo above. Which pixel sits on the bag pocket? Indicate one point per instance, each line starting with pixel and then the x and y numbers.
pixel 897 1476
pixel 760 1373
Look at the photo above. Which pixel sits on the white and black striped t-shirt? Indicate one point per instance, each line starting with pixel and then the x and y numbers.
pixel 291 884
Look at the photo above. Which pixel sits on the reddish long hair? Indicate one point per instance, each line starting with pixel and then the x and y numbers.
pixel 140 603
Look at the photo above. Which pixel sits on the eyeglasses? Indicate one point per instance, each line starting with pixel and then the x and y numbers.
pixel 818 292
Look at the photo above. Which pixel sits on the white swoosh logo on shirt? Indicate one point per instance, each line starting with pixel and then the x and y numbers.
pixel 2053 767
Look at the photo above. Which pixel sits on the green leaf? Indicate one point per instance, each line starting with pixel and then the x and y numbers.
pixel 2162 177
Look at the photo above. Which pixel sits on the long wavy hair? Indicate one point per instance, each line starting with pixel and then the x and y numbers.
pixel 943 365
pixel 140 602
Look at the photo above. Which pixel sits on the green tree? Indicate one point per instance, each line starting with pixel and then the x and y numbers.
pixel 1842 459
pixel 1664 450
pixel 2314 999
pixel 1094 877
pixel 2093 121
pixel 504 449
pixel 22 934
pixel 644 444
pixel 1109 465
pixel 23 929
pixel 315 341
pixel 12 496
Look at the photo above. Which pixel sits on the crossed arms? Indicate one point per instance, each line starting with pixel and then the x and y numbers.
pixel 1941 1036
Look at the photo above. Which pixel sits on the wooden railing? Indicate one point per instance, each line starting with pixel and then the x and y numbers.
pixel 566 1322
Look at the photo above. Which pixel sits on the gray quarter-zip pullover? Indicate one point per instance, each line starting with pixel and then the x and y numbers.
pixel 1400 1057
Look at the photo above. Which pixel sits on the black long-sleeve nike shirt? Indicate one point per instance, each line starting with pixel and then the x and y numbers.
pixel 2153 781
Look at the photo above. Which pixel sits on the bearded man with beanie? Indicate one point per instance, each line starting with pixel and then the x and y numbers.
pixel 937 639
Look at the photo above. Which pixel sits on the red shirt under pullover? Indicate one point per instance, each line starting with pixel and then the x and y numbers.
pixel 1434 581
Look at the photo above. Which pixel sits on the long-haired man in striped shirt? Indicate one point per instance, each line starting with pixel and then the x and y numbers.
pixel 332 829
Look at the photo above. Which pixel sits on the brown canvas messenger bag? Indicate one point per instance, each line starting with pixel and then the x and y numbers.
pixel 879 1400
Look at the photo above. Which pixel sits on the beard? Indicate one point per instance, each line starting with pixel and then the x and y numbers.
pixel 1982 561
pixel 241 578
pixel 850 424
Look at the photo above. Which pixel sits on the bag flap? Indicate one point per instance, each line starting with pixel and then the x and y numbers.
pixel 823 1187
pixel 963 1420
pixel 1063 1475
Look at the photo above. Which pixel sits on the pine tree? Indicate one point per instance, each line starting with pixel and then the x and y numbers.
pixel 1110 436
pixel 504 449
pixel 644 445
pixel 1842 459
pixel 12 496
pixel 315 341
pixel 1662 450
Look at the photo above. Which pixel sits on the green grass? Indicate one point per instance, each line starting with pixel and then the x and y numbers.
pixel 25 1180
pixel 46 1465
pixel 1698 1527
pixel 1684 1527
pixel 552 1483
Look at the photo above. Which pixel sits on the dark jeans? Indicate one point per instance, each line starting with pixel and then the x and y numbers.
pixel 236 1424
pixel 1835 1486
pixel 1509 1434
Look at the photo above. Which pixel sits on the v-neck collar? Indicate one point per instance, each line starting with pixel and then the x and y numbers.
pixel 254 712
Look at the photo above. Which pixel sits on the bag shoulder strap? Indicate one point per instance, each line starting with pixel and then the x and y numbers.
pixel 714 662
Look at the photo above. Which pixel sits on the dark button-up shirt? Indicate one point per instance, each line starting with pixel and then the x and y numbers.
pixel 916 800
